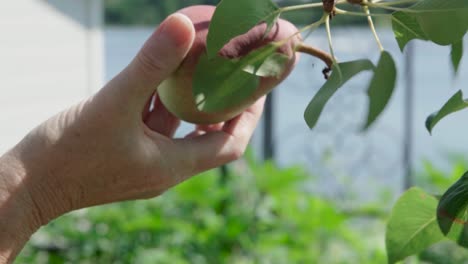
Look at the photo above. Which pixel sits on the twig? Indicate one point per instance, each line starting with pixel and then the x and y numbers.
pixel 324 56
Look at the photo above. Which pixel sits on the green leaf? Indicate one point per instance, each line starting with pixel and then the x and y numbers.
pixel 270 22
pixel 444 28
pixel 348 70
pixel 272 66
pixel 452 212
pixel 440 5
pixel 406 28
pixel 454 104
pixel 381 87
pixel 440 21
pixel 271 180
pixel 456 55
pixel 235 17
pixel 220 83
pixel 412 226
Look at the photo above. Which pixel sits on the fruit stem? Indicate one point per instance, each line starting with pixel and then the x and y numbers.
pixel 302 47
pixel 345 12
pixel 314 25
pixel 380 3
pixel 308 27
pixel 371 24
pixel 299 7
pixel 388 7
pixel 330 44
pixel 318 53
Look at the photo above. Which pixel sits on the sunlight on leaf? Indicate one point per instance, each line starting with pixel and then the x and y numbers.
pixel 220 83
pixel 273 66
pixel 412 226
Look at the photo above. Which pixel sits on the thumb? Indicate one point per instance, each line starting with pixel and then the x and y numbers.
pixel 159 58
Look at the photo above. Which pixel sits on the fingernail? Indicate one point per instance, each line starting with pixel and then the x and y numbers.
pixel 176 28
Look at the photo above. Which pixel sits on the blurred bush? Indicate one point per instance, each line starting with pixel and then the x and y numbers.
pixel 257 213
pixel 436 179
pixel 251 213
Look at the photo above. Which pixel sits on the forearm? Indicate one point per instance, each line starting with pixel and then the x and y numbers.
pixel 18 217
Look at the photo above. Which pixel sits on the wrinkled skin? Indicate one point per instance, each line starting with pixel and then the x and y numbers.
pixel 111 147
pixel 176 92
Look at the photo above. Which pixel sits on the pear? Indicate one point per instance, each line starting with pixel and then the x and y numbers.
pixel 176 92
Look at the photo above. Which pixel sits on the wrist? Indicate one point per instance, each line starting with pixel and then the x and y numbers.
pixel 19 218
pixel 39 165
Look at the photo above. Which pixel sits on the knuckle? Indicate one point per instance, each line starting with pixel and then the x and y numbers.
pixel 237 152
pixel 149 64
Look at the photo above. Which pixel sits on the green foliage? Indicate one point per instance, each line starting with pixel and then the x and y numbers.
pixel 444 252
pixel 247 225
pixel 406 28
pixel 444 22
pixel 348 70
pixel 412 226
pixel 220 83
pixel 259 214
pixel 452 211
pixel 381 87
pixel 454 104
pixel 440 21
pixel 273 65
pixel 436 180
pixel 456 55
pixel 233 18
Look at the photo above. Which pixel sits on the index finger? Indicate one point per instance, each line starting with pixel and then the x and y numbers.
pixel 216 148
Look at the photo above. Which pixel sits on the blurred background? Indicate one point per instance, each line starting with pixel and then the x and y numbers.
pixel 299 196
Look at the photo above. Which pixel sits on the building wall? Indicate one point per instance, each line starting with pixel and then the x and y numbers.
pixel 50 58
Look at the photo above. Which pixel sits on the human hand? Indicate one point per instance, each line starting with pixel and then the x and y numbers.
pixel 112 148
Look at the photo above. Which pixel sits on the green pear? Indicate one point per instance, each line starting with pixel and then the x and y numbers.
pixel 176 91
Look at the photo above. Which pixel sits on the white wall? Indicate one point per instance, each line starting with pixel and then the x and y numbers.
pixel 50 58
